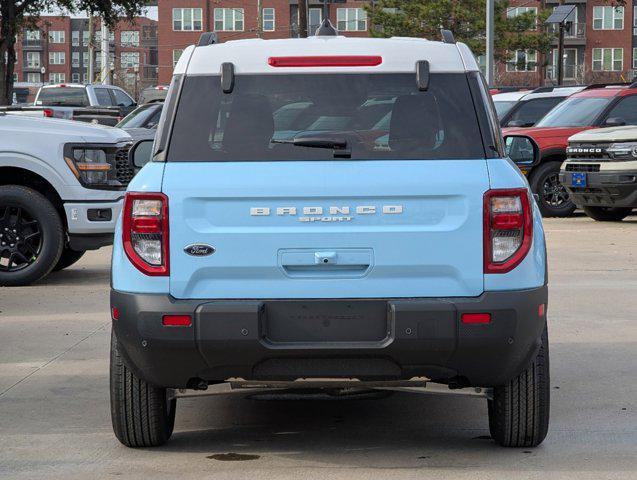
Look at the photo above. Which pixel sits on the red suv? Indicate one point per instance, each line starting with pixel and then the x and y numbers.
pixel 596 106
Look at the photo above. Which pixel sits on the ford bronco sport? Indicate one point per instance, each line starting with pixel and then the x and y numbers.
pixel 600 172
pixel 602 105
pixel 373 236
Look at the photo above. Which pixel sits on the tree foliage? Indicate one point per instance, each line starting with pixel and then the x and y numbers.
pixel 18 14
pixel 466 19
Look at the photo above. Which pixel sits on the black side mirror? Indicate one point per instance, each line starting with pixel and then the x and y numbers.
pixel 522 150
pixel 140 153
pixel 614 122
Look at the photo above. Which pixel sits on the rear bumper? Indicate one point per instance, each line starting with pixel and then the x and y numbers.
pixel 604 189
pixel 270 340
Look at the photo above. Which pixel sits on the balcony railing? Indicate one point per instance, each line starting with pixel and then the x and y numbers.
pixel 32 43
pixel 577 31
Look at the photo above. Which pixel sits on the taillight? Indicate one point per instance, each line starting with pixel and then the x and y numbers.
pixel 508 229
pixel 48 112
pixel 145 232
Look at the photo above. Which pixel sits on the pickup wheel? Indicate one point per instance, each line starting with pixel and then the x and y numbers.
pixel 31 236
pixel 519 411
pixel 68 258
pixel 607 214
pixel 553 198
pixel 142 414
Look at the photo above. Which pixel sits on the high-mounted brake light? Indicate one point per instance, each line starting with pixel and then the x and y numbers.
pixel 508 229
pixel 327 61
pixel 145 232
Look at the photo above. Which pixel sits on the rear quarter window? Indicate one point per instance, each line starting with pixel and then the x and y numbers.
pixel 382 116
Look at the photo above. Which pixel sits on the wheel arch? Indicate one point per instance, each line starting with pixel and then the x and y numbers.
pixel 13 175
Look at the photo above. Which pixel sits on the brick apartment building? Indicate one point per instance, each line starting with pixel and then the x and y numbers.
pixel 601 46
pixel 182 21
pixel 57 51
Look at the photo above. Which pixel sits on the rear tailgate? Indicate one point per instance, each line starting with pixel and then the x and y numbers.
pixel 327 229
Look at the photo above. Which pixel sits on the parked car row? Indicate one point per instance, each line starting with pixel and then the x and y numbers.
pixel 542 157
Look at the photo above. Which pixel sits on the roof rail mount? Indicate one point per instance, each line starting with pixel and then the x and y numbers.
pixel 610 84
pixel 207 38
pixel 326 29
pixel 447 36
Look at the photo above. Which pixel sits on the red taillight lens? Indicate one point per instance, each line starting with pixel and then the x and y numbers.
pixel 145 232
pixel 114 313
pixel 508 229
pixel 48 112
pixel 475 318
pixel 176 320
pixel 327 61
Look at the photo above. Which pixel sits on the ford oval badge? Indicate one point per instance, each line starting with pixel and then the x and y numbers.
pixel 199 250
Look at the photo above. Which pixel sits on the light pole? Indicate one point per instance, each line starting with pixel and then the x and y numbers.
pixel 489 47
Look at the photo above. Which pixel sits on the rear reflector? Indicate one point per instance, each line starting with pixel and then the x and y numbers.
pixel 327 61
pixel 476 318
pixel 541 310
pixel 177 320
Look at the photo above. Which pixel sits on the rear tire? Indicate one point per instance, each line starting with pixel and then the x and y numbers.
pixel 68 258
pixel 607 214
pixel 519 411
pixel 553 199
pixel 32 236
pixel 141 413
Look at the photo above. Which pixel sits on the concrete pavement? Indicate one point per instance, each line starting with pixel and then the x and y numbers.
pixel 54 406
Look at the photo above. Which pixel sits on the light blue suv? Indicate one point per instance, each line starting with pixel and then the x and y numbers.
pixel 372 235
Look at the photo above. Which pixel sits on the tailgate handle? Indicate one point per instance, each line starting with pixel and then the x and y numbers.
pixel 329 263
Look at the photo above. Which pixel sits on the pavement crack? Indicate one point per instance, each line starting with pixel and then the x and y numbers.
pixel 49 362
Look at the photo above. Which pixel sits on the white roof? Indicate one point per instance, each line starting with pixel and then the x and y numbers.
pixel 530 95
pixel 67 85
pixel 609 134
pixel 509 96
pixel 398 55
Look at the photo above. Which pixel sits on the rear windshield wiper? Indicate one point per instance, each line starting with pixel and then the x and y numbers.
pixel 338 145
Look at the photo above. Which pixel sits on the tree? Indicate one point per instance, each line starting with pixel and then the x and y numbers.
pixel 18 14
pixel 466 19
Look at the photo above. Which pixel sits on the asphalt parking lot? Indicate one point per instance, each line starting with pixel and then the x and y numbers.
pixel 54 398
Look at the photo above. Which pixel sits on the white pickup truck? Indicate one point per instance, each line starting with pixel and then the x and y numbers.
pixel 61 190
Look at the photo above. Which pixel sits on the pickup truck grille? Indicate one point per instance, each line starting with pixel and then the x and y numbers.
pixel 123 171
pixel 582 167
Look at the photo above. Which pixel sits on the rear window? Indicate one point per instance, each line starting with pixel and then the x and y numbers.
pixel 502 108
pixel 146 116
pixel 531 111
pixel 63 96
pixel 381 116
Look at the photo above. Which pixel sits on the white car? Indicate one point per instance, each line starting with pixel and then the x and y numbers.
pixel 526 108
pixel 61 190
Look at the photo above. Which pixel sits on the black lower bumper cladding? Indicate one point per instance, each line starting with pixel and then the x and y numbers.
pixel 603 189
pixel 373 340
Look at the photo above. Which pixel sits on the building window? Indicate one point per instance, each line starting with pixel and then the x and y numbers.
pixel 608 18
pixel 75 77
pixel 314 19
pixel 635 21
pixel 57 78
pixel 85 38
pixel 522 61
pixel 57 58
pixel 75 59
pixel 351 19
pixel 32 35
pixel 85 78
pixel 186 19
pixel 33 59
pixel 75 38
pixel 129 59
pixel 569 64
pixel 515 11
pixel 176 56
pixel 608 59
pixel 130 38
pixel 33 77
pixel 229 19
pixel 56 36
pixel 268 19
pixel 85 57
pixel 98 36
